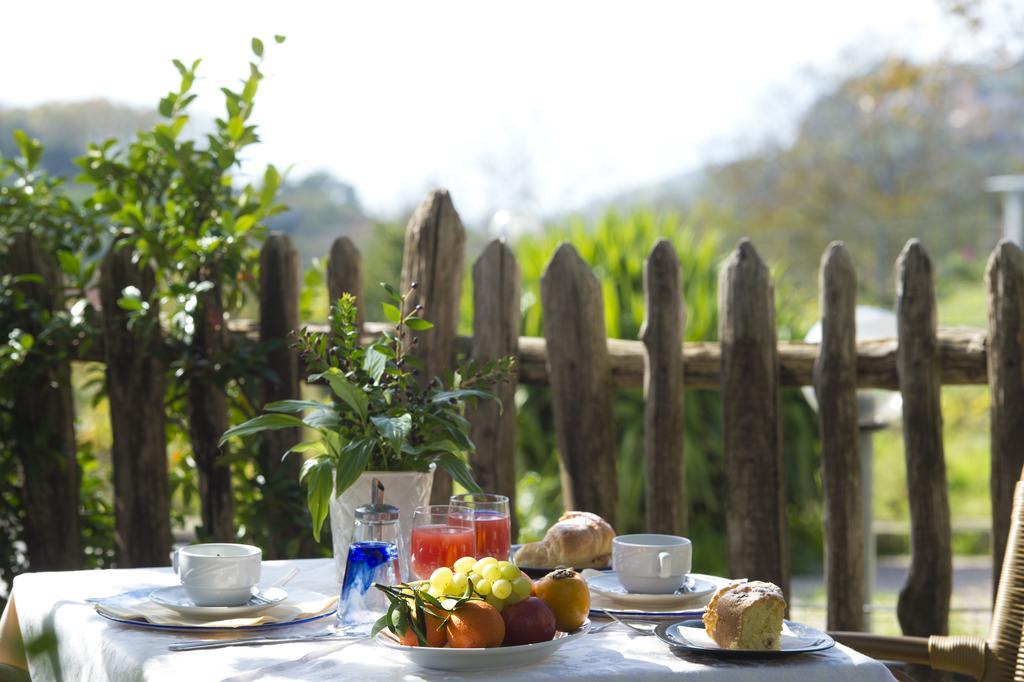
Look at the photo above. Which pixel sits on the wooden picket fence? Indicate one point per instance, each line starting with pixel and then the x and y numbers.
pixel 583 367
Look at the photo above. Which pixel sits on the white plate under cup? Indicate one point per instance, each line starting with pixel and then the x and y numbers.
pixel 219 573
pixel 649 563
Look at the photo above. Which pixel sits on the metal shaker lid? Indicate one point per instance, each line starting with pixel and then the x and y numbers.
pixel 377 510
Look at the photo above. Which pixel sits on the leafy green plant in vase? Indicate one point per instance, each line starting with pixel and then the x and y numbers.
pixel 381 421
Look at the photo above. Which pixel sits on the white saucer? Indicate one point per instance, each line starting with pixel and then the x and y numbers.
pixel 175 599
pixel 696 590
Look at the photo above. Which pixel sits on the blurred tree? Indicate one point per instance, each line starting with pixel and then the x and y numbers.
pixel 382 249
pixel 68 127
pixel 321 208
pixel 900 150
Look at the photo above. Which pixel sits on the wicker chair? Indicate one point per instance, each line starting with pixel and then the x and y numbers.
pixel 995 659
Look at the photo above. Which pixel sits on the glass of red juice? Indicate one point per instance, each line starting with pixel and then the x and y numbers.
pixel 441 535
pixel 493 523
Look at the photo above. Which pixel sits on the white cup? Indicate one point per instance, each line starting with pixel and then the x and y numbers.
pixel 649 563
pixel 218 574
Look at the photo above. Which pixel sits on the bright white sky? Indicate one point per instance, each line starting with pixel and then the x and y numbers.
pixel 548 104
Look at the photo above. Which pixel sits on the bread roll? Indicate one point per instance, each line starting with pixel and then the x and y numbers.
pixel 577 540
pixel 746 615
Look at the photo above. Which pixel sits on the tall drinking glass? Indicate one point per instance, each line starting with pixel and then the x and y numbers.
pixel 441 534
pixel 493 522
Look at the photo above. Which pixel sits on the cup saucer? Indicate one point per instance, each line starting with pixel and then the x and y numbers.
pixel 696 590
pixel 176 599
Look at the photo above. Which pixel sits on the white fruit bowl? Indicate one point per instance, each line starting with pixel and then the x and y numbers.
pixel 447 658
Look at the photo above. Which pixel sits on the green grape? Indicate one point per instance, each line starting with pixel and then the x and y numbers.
pixel 501 589
pixel 495 602
pixel 479 566
pixel 508 571
pixel 465 564
pixel 458 584
pixel 522 586
pixel 434 592
pixel 492 573
pixel 441 578
pixel 483 586
pixel 515 597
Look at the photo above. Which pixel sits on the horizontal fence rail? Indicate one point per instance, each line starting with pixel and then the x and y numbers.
pixel 962 356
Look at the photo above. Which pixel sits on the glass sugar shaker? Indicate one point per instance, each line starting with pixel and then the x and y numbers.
pixel 373 557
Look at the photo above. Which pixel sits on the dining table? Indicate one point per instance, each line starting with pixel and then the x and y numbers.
pixel 51 628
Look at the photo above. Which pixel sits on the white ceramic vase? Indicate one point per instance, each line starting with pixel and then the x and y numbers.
pixel 404 489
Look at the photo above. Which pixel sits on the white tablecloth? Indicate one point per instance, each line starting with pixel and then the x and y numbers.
pixel 88 647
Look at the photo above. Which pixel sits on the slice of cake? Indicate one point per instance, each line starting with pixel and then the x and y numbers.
pixel 746 616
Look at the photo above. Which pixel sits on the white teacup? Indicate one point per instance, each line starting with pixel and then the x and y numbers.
pixel 218 574
pixel 648 563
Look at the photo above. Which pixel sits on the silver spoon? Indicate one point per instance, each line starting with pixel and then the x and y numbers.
pixel 263 596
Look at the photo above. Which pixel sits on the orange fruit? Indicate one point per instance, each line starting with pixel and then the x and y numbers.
pixel 476 624
pixel 435 637
pixel 565 591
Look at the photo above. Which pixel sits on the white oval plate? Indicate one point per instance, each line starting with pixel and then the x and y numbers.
pixel 797 638
pixel 495 659
pixel 176 599
pixel 128 601
pixel 608 585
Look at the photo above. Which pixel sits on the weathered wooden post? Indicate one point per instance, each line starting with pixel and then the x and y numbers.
pixel 208 417
pixel 662 334
pixel 835 383
pixel 495 335
pixel 135 389
pixel 581 385
pixel 435 244
pixel 756 525
pixel 923 607
pixel 345 274
pixel 279 317
pixel 44 423
pixel 1004 278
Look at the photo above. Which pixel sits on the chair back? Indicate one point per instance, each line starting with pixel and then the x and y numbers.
pixel 1006 654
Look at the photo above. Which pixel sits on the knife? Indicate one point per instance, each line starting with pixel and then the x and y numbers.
pixel 259 641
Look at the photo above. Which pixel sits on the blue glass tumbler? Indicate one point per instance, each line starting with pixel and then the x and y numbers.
pixel 373 557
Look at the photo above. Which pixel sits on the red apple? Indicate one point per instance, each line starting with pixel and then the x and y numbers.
pixel 528 622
